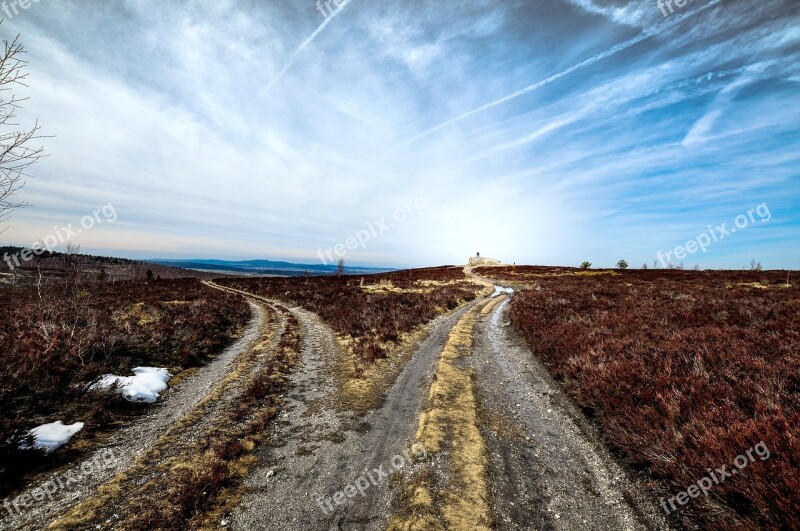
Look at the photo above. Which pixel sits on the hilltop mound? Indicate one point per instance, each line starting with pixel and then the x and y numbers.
pixel 482 261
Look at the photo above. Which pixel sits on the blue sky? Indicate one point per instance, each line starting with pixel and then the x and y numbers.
pixel 546 132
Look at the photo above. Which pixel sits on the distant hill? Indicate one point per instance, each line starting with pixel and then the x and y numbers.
pixel 15 270
pixel 267 267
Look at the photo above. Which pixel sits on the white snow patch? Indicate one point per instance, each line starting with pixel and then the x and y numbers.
pixel 500 289
pixel 50 437
pixel 144 386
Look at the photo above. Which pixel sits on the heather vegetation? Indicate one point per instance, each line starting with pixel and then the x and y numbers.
pixel 195 489
pixel 373 310
pixel 682 371
pixel 57 337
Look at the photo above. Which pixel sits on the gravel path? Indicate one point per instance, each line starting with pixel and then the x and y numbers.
pixel 548 469
pixel 317 451
pixel 132 441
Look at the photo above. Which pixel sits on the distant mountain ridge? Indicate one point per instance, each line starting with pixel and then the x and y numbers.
pixel 267 267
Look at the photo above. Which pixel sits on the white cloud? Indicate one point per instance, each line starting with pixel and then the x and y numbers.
pixel 531 145
pixel 635 13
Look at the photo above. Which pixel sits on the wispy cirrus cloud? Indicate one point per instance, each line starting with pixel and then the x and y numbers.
pixel 635 13
pixel 547 132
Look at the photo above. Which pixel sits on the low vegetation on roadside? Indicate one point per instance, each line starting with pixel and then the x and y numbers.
pixel 682 371
pixel 196 487
pixel 57 337
pixel 373 311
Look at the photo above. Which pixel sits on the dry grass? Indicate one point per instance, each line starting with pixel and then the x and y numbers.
pixel 759 285
pixel 492 304
pixel 449 425
pixel 364 390
pixel 524 276
pixel 194 489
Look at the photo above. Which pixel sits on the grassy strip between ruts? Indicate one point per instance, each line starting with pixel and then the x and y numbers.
pixel 492 304
pixel 197 487
pixel 449 426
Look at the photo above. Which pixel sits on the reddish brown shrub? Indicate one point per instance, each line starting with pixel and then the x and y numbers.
pixel 682 371
pixel 51 348
pixel 370 317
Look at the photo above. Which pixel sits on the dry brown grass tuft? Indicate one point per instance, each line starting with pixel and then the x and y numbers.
pixel 449 425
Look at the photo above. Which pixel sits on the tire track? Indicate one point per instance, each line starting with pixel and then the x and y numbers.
pixel 134 440
pixel 318 450
pixel 549 471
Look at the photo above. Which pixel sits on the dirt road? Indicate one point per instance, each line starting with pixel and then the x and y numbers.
pixel 548 471
pixel 472 434
pixel 133 441
pixel 504 447
pixel 318 451
pixel 544 467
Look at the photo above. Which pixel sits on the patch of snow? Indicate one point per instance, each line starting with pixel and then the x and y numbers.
pixel 500 289
pixel 50 437
pixel 144 386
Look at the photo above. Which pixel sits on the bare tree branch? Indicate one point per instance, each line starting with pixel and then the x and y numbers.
pixel 16 152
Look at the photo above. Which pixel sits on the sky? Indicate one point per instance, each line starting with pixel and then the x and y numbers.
pixel 416 133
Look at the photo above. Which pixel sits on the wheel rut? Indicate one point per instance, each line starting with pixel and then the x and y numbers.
pixel 318 450
pixel 548 468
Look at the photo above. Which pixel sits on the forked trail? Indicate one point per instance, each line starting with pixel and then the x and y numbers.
pixel 503 447
pixel 318 450
pixel 496 444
